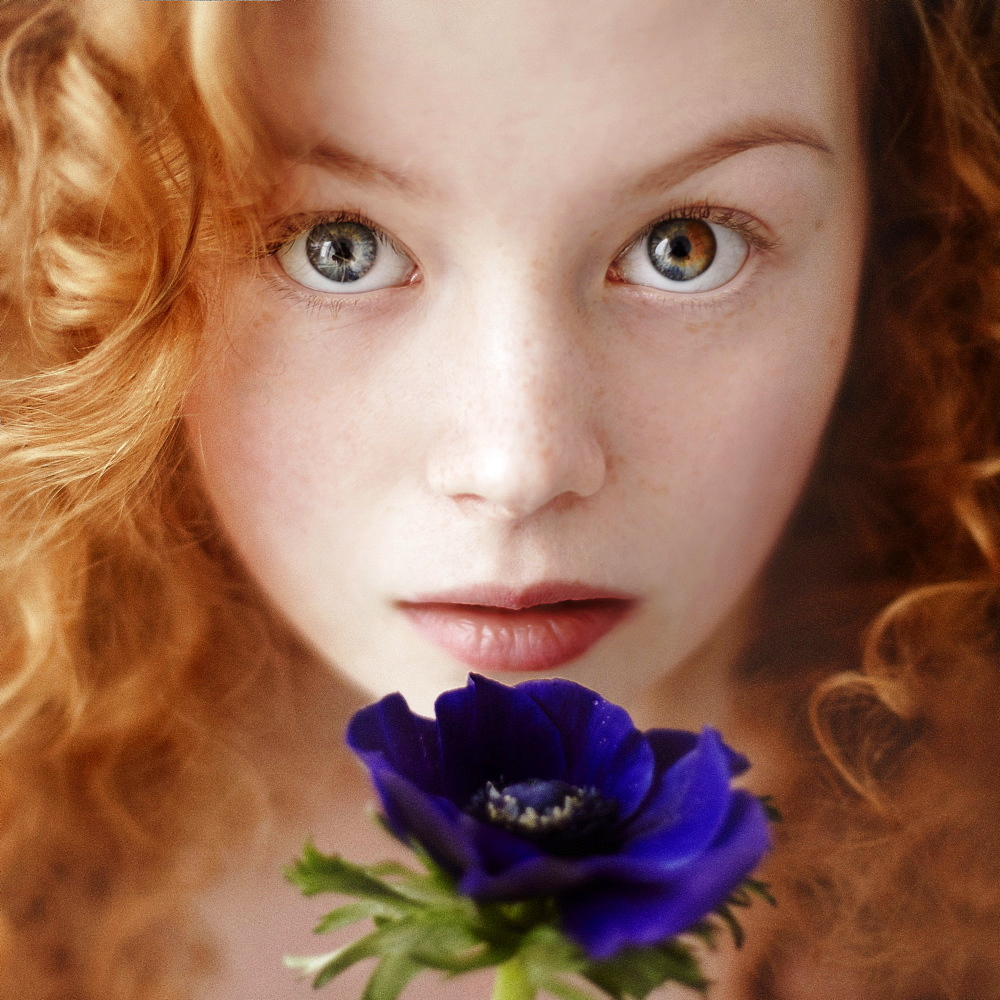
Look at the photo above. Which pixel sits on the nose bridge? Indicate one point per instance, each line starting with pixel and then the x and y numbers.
pixel 520 425
pixel 529 365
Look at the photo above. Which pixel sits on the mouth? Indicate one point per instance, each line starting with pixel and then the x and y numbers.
pixel 502 629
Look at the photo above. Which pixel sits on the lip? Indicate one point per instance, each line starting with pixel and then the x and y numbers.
pixel 500 628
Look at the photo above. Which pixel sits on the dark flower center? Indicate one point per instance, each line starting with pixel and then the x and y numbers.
pixel 559 817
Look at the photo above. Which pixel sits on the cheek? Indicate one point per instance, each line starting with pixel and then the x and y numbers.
pixel 280 451
pixel 725 426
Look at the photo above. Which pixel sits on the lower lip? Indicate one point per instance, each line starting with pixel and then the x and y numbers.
pixel 538 638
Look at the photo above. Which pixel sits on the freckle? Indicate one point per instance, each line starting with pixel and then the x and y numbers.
pixel 819 225
pixel 695 326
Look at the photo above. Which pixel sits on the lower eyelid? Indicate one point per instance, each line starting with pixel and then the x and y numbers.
pixel 726 296
pixel 708 306
pixel 331 304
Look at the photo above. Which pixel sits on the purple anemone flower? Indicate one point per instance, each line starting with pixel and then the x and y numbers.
pixel 547 790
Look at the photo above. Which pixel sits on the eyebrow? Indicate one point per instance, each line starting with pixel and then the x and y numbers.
pixel 359 169
pixel 752 133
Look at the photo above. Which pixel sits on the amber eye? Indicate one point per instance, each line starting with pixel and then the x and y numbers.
pixel 683 255
pixel 681 249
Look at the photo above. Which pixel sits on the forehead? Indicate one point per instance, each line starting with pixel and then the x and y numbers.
pixel 446 90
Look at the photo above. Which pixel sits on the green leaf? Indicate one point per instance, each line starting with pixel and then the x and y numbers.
pixel 705 930
pixel 483 957
pixel 438 874
pixel 726 914
pixel 565 991
pixel 349 955
pixel 547 952
pixel 326 967
pixel 742 896
pixel 386 868
pixel 771 811
pixel 350 914
pixel 426 891
pixel 512 982
pixel 449 941
pixel 390 977
pixel 761 889
pixel 636 972
pixel 308 966
pixel 401 936
pixel 393 939
pixel 316 872
pixel 446 940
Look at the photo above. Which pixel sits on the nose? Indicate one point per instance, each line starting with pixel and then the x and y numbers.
pixel 517 424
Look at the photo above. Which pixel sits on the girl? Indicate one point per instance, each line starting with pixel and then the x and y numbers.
pixel 349 346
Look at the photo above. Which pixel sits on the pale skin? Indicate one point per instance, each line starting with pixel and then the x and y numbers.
pixel 524 399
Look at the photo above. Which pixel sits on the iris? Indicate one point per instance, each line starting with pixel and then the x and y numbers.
pixel 342 251
pixel 546 790
pixel 682 249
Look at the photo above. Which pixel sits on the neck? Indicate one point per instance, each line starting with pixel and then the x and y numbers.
pixel 698 691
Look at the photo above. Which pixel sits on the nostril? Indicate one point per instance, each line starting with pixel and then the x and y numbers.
pixel 509 481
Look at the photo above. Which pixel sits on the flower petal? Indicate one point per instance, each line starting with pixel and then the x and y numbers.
pixel 431 821
pixel 687 809
pixel 669 745
pixel 538 875
pixel 498 852
pixel 605 919
pixel 531 878
pixel 519 870
pixel 602 746
pixel 408 743
pixel 490 732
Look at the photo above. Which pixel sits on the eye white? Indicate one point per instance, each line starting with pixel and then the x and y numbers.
pixel 637 267
pixel 343 257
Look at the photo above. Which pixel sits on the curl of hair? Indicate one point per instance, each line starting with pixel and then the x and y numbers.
pixel 893 562
pixel 118 184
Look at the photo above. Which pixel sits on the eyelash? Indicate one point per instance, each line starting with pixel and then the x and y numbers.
pixel 289 228
pixel 749 228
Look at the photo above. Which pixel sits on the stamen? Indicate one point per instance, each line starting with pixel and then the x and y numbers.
pixel 562 818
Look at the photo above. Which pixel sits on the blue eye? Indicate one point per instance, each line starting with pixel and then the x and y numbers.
pixel 343 256
pixel 684 255
pixel 341 251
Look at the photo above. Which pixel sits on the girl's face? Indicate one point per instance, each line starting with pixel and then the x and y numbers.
pixel 564 297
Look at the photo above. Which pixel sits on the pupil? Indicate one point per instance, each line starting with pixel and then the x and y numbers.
pixel 342 251
pixel 557 816
pixel 680 246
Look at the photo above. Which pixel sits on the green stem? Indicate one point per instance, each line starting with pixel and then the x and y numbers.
pixel 512 981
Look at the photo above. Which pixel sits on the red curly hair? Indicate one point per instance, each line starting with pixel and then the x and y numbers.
pixel 878 644
pixel 128 176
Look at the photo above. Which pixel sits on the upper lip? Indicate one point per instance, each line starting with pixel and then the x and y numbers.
pixel 498 595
